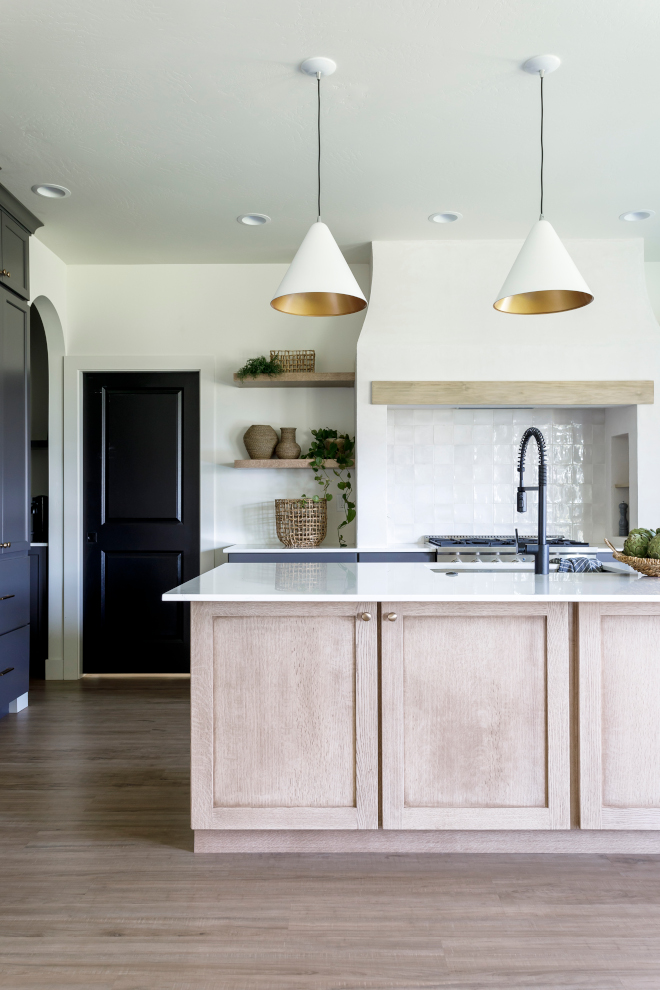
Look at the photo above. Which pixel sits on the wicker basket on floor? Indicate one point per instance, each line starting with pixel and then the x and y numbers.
pixel 645 565
pixel 295 360
pixel 301 522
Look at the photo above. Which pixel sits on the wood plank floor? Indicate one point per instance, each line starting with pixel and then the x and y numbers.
pixel 99 887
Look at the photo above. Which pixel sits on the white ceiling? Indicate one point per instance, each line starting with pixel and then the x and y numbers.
pixel 168 119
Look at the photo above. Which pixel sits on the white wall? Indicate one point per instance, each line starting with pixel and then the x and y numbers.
pixel 222 311
pixel 431 317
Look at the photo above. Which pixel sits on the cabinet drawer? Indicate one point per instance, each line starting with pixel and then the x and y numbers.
pixel 14 653
pixel 14 593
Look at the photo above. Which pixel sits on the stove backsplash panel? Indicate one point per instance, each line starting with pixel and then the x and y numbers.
pixel 453 471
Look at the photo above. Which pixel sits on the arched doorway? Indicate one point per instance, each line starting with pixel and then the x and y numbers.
pixel 46 321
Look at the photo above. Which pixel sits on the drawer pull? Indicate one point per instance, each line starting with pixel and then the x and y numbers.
pixel 392 616
pixel 5 597
pixel 8 670
pixel 5 544
pixel 5 273
pixel 366 616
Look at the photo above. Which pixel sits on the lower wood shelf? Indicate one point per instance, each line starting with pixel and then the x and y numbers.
pixel 275 462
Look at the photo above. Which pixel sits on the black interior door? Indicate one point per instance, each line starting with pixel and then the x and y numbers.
pixel 141 519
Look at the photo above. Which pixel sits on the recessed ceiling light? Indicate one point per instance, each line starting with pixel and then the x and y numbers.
pixel 637 215
pixel 51 191
pixel 253 219
pixel 449 217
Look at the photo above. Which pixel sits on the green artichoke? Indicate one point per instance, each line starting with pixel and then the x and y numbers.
pixel 653 549
pixel 636 545
pixel 649 533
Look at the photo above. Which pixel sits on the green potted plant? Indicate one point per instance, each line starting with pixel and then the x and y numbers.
pixel 259 366
pixel 329 445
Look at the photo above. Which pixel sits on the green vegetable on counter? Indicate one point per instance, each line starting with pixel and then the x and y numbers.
pixel 637 543
pixel 653 549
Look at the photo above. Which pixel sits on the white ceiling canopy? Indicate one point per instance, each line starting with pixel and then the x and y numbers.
pixel 168 122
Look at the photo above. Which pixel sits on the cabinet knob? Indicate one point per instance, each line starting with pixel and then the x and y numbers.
pixel 5 273
pixel 392 616
pixel 366 616
pixel 5 544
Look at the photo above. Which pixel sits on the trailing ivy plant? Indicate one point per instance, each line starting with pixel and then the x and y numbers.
pixel 259 366
pixel 318 453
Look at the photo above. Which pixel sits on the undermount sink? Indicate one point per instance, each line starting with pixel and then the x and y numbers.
pixel 609 567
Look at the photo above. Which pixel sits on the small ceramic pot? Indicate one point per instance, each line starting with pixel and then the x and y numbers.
pixel 340 444
pixel 260 442
pixel 287 449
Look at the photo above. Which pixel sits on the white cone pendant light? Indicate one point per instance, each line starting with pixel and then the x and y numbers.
pixel 319 281
pixel 544 277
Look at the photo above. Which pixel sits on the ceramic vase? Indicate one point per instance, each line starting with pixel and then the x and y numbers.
pixel 260 442
pixel 287 449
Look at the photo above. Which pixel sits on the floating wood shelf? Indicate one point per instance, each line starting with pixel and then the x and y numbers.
pixel 275 462
pixel 583 393
pixel 300 379
pixel 627 485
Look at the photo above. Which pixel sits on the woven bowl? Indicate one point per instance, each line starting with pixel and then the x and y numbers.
pixel 645 565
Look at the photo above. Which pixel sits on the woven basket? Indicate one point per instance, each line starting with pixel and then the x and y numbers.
pixel 294 360
pixel 645 565
pixel 301 522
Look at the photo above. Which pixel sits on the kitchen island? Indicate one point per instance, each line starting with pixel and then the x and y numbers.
pixel 395 707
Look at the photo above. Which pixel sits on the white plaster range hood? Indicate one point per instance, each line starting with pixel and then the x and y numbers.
pixel 431 320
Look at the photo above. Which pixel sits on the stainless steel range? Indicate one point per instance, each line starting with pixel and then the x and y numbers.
pixel 511 551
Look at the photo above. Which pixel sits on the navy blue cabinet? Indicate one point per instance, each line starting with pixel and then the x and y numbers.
pixel 14 499
pixel 14 666
pixel 331 557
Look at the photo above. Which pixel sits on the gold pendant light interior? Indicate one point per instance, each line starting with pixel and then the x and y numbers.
pixel 546 301
pixel 318 304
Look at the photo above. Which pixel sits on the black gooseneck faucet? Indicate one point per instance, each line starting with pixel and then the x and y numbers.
pixel 542 554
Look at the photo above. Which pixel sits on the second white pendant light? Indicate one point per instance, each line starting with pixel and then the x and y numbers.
pixel 544 277
pixel 319 281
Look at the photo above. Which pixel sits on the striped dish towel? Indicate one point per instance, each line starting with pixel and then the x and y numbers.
pixel 579 564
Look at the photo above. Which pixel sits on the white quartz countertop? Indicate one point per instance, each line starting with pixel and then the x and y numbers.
pixel 296 582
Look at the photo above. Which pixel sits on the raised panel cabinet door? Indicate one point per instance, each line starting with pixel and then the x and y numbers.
pixel 475 716
pixel 284 715
pixel 619 715
pixel 14 425
pixel 14 256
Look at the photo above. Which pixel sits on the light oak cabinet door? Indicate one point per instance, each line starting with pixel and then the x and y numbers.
pixel 285 730
pixel 619 711
pixel 475 716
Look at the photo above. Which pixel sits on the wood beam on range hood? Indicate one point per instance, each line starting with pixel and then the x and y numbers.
pixel 455 393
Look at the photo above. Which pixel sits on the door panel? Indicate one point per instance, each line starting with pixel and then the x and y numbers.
pixel 286 701
pixel 143 455
pixel 132 600
pixel 15 244
pixel 14 422
pixel 141 520
pixel 475 719
pixel 619 715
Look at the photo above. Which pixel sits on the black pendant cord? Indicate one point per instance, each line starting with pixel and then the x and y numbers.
pixel 318 90
pixel 541 75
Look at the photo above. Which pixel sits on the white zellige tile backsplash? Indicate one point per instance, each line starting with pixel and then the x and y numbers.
pixel 453 471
